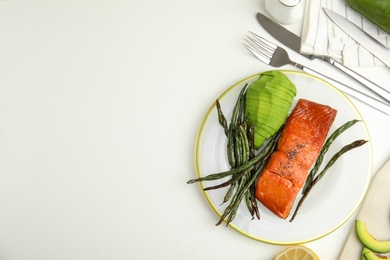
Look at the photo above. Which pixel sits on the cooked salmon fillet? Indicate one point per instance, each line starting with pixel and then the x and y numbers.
pixel 298 148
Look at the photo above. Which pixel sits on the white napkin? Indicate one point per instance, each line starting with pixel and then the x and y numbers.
pixel 321 37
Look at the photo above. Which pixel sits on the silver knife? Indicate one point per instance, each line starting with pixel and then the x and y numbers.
pixel 361 37
pixel 294 42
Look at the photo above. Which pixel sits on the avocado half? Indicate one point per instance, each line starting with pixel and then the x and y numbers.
pixel 369 241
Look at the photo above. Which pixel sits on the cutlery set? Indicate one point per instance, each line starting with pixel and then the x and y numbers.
pixel 272 54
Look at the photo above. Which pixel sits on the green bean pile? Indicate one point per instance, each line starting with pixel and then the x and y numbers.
pixel 246 166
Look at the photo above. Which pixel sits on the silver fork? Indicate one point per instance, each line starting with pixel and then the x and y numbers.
pixel 272 54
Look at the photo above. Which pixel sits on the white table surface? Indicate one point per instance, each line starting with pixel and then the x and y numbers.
pixel 100 104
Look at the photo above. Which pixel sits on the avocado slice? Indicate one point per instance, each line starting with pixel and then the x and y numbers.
pixel 280 89
pixel 365 250
pixel 367 254
pixel 369 241
pixel 267 103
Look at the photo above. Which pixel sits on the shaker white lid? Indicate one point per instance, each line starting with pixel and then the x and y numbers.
pixel 290 2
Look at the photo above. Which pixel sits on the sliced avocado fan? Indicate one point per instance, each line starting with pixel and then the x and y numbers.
pixel 268 101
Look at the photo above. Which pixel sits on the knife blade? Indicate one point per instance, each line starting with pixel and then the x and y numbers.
pixel 361 37
pixel 293 41
pixel 281 34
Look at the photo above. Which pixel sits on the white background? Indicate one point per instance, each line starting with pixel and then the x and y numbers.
pixel 100 104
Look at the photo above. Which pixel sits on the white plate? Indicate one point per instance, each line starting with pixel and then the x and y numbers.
pixel 331 202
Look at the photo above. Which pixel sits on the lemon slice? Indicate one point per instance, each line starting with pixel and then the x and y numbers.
pixel 297 252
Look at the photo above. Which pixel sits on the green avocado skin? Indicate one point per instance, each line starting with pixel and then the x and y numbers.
pixel 369 241
pixel 377 11
pixel 367 254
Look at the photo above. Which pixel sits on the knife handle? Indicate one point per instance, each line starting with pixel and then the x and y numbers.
pixel 367 99
pixel 359 78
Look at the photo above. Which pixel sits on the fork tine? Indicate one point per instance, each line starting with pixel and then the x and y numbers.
pixel 255 52
pixel 261 47
pixel 266 42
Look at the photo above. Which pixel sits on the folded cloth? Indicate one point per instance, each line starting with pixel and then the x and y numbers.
pixel 320 36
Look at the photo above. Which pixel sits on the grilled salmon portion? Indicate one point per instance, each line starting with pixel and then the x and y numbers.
pixel 298 148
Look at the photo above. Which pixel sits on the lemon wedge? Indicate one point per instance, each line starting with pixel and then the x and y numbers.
pixel 298 252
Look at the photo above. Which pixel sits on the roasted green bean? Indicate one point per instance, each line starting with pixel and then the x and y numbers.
pixel 221 118
pixel 238 151
pixel 231 149
pixel 334 158
pixel 236 203
pixel 251 140
pixel 229 193
pixel 230 181
pixel 245 143
pixel 324 149
pixel 261 156
pixel 239 109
